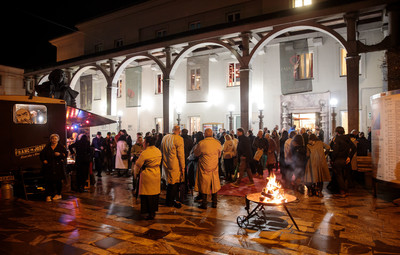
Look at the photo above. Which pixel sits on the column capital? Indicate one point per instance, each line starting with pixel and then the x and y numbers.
pixel 351 16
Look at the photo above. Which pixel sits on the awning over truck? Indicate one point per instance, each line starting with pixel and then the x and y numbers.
pixel 79 118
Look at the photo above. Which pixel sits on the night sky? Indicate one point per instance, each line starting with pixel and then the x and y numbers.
pixel 27 27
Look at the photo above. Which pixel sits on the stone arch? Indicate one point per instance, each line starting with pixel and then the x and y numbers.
pixel 299 26
pixel 129 60
pixel 83 69
pixel 192 47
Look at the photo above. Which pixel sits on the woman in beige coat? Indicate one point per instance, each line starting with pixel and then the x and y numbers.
pixel 317 171
pixel 208 151
pixel 150 177
pixel 229 150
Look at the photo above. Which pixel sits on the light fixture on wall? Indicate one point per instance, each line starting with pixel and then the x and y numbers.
pixel 261 116
pixel 333 103
pixel 231 108
pixel 120 113
pixel 179 112
pixel 154 67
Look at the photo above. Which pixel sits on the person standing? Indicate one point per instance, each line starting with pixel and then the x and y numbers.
pixel 109 149
pixel 83 156
pixel 317 171
pixel 362 147
pixel 229 150
pixel 271 152
pixel 121 158
pixel 173 151
pixel 208 151
pixel 342 152
pixel 244 154
pixel 260 144
pixel 282 163
pixel 54 158
pixel 98 143
pixel 188 145
pixel 148 164
pixel 288 159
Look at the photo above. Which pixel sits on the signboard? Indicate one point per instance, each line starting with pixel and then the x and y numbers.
pixel 386 136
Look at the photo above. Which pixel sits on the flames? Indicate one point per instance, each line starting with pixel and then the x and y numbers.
pixel 273 192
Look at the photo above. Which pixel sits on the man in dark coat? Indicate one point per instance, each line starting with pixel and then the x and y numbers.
pixel 98 143
pixel 245 156
pixel 343 150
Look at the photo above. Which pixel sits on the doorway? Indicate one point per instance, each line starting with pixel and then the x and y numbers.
pixel 304 120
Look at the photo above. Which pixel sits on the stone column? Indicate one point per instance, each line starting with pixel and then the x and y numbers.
pixel 324 120
pixel 167 114
pixel 393 54
pixel 353 65
pixel 110 86
pixel 245 83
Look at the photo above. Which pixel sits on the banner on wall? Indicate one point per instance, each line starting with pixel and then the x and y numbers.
pixel 133 86
pixel 297 67
pixel 385 133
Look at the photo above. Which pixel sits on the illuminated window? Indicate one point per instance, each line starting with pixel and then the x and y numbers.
pixel 30 114
pixel 343 68
pixel 194 25
pixel 195 79
pixel 233 16
pixel 159 84
pixel 234 74
pixel 303 69
pixel 301 3
pixel 161 33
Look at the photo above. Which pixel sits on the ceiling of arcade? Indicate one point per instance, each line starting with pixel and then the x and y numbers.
pixel 370 19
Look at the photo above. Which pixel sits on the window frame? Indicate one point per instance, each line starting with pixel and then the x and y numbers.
pixel 197 72
pixel 159 88
pixel 98 47
pixel 161 33
pixel 197 25
pixel 235 16
pixel 296 74
pixel 302 3
pixel 118 43
pixel 236 70
pixel 30 108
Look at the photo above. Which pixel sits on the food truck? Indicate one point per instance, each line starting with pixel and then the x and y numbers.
pixel 26 125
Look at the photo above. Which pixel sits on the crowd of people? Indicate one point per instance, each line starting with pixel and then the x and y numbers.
pixel 181 163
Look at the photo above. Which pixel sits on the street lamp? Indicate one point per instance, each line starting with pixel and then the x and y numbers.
pixel 231 108
pixel 120 113
pixel 179 112
pixel 333 103
pixel 261 116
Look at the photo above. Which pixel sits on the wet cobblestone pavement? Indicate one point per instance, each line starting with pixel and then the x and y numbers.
pixel 107 221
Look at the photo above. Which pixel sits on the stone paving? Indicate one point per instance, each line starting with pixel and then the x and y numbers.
pixel 107 221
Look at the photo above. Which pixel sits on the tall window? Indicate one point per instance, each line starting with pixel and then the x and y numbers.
pixel 118 43
pixel 301 3
pixel 159 84
pixel 194 25
pixel 233 16
pixel 343 67
pixel 195 79
pixel 161 33
pixel 234 74
pixel 303 68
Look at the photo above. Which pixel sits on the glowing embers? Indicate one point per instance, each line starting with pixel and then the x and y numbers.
pixel 273 192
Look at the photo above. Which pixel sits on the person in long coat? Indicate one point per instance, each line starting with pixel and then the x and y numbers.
pixel 121 158
pixel 150 177
pixel 271 159
pixel 54 158
pixel 84 155
pixel 229 150
pixel 173 150
pixel 317 171
pixel 208 151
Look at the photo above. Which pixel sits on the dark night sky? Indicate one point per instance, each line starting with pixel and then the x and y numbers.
pixel 27 26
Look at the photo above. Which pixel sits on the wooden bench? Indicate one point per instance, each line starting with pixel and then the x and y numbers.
pixel 364 164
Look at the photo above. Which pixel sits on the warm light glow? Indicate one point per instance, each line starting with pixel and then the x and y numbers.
pixel 120 113
pixel 260 106
pixel 231 107
pixel 273 192
pixel 333 102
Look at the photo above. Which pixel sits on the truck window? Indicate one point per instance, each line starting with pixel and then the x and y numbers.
pixel 30 114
